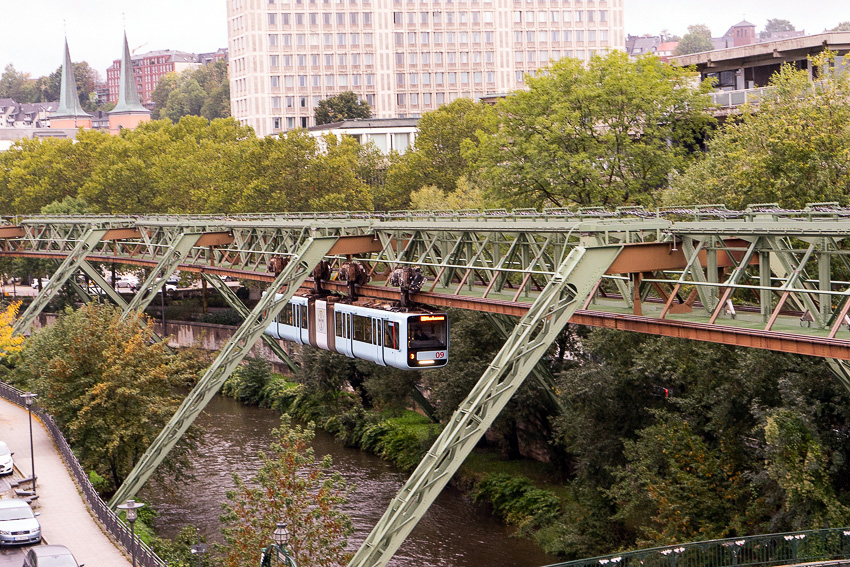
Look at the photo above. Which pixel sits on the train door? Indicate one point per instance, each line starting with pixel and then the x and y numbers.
pixel 321 324
pixel 391 352
pixel 342 330
pixel 378 340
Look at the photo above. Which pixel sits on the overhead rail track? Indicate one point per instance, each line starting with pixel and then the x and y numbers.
pixel 764 277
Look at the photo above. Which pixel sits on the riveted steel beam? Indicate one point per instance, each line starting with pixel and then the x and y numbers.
pixel 529 341
pixel 293 275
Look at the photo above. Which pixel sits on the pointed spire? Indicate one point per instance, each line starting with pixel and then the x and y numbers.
pixel 128 96
pixel 69 101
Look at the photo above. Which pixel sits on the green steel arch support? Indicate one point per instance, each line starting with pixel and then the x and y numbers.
pixel 299 267
pixel 566 291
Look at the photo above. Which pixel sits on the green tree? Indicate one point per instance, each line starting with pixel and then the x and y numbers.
pixel 195 92
pixel 164 87
pixel 606 133
pixel 18 86
pixel 697 40
pixel 293 486
pixel 344 106
pixel 776 25
pixel 106 385
pixel 791 149
pixel 436 158
pixel 842 27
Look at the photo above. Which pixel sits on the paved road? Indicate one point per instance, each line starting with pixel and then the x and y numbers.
pixel 64 518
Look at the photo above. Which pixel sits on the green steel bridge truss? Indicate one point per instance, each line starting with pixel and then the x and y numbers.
pixel 764 277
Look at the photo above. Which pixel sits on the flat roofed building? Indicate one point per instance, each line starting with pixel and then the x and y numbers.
pixel 751 66
pixel 388 134
pixel 402 57
pixel 148 69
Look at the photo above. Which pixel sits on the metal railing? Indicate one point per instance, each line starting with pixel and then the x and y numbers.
pixel 145 557
pixel 771 549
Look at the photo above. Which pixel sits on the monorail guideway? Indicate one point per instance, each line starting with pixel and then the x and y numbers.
pixel 643 271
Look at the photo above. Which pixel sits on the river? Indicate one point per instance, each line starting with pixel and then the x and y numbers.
pixel 454 533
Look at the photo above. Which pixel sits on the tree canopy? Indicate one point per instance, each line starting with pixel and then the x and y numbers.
pixel 344 106
pixel 697 40
pixel 106 385
pixel 9 342
pixel 437 158
pixel 195 92
pixel 606 133
pixel 792 149
pixel 293 486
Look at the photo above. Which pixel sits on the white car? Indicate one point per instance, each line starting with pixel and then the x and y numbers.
pixel 6 463
pixel 50 556
pixel 17 523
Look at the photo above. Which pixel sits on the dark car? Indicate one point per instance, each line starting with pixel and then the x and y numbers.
pixel 50 556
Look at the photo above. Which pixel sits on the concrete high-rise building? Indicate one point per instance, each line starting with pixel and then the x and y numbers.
pixel 404 57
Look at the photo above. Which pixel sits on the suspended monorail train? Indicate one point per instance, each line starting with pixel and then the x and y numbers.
pixel 414 339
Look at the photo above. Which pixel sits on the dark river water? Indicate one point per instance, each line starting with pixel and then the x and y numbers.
pixel 454 533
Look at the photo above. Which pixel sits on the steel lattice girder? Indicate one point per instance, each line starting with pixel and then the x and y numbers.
pixel 219 285
pixel 66 269
pixel 293 275
pixel 565 292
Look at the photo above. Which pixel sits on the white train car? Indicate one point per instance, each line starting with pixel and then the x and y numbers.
pixel 407 340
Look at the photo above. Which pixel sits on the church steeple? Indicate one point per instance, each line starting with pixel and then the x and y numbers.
pixel 69 102
pixel 128 96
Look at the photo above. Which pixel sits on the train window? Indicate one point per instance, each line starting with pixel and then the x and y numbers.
pixel 303 321
pixel 286 314
pixel 391 335
pixel 427 331
pixel 362 329
pixel 340 324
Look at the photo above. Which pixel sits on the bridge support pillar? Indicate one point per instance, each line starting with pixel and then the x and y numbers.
pixel 566 291
pixel 297 270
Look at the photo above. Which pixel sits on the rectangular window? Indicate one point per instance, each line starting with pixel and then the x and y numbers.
pixel 275 81
pixel 411 38
pixel 399 58
pixel 400 99
pixel 398 18
pixel 272 19
pixel 301 39
pixel 367 18
pixel 342 80
pixel 329 80
pixel 354 39
pixel 355 59
pixel 329 60
pixel 302 101
pixel 529 36
pixel 591 35
pixel 340 39
pixel 438 38
pixel 411 58
pixel 302 80
pixel 391 328
pixel 590 15
pixel 326 19
pixel 354 18
pixel 424 38
pixel 328 39
pixel 413 78
pixel 438 78
pixel 426 78
pixel 367 39
pixel 441 98
pixel 290 102
pixel 340 19
pixel 316 80
pixel 517 37
pixel 299 19
pixel 274 60
pixel 488 37
pixel 273 37
pixel 423 17
pixel 491 77
pixel 426 99
pixel 452 78
pixel 399 38
pixel 275 102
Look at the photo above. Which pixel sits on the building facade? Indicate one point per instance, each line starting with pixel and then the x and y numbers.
pixel 403 57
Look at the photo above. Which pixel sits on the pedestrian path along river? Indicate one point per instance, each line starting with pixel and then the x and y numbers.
pixel 64 518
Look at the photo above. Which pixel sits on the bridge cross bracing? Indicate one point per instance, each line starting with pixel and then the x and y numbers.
pixel 764 277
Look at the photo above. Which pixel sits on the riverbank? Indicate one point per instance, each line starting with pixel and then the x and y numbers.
pixel 519 492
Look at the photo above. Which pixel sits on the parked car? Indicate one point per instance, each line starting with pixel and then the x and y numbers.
pixel 44 282
pixel 17 523
pixel 50 556
pixel 6 463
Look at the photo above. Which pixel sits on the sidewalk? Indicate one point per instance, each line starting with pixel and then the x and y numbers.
pixel 64 518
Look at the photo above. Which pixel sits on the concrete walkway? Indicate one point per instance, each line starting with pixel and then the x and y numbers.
pixel 64 518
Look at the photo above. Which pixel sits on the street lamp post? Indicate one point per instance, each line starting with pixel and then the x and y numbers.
pixel 130 506
pixel 199 548
pixel 278 548
pixel 29 398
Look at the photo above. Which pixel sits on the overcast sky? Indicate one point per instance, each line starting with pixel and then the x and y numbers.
pixel 33 33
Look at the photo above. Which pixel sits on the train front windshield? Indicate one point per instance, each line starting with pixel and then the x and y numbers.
pixel 427 332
